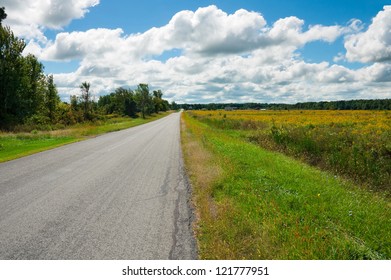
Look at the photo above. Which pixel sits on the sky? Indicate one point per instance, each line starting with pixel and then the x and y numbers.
pixel 199 51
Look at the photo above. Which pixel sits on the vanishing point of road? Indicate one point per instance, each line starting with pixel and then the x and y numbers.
pixel 119 196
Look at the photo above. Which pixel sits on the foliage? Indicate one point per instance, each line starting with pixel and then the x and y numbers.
pixel 159 104
pixel 3 15
pixel 144 100
pixel 86 99
pixel 127 102
pixel 121 102
pixel 25 92
pixel 52 100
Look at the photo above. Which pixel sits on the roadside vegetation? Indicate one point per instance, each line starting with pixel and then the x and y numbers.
pixel 253 203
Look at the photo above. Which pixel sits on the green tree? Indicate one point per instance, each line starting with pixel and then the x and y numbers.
pixel 3 15
pixel 174 106
pixel 86 97
pixel 32 93
pixel 74 101
pixel 157 101
pixel 22 81
pixel 52 100
pixel 122 102
pixel 11 76
pixel 143 99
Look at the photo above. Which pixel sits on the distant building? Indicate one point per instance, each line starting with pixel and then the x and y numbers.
pixel 230 108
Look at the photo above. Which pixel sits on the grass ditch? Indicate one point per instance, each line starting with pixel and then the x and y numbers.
pixel 16 145
pixel 256 204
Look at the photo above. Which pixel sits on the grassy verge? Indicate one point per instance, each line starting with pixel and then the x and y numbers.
pixel 16 145
pixel 256 204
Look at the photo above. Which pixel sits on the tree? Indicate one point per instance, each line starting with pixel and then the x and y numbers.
pixel 174 106
pixel 3 15
pixel 157 101
pixel 74 102
pixel 86 97
pixel 11 77
pixel 143 99
pixel 52 99
pixel 34 87
pixel 121 102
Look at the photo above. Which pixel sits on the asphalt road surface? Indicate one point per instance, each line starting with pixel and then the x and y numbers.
pixel 119 196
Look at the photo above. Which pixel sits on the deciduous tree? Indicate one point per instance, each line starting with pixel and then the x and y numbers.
pixel 144 99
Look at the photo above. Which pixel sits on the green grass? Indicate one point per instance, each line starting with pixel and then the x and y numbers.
pixel 16 145
pixel 265 205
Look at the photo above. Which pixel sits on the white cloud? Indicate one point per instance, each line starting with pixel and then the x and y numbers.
pixel 337 74
pixel 209 31
pixel 222 57
pixel 28 19
pixel 373 45
pixel 77 45
pixel 378 73
pixel 206 32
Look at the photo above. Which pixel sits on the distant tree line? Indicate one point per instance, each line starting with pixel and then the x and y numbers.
pixel 29 98
pixel 362 104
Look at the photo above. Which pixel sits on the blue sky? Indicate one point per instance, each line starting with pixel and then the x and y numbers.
pixel 213 51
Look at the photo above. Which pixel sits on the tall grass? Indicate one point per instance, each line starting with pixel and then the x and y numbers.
pixel 264 205
pixel 355 144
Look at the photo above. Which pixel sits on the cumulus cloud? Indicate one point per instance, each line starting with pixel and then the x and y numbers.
pixel 29 18
pixel 207 32
pixel 222 57
pixel 373 45
pixel 336 74
pixel 378 73
pixel 78 45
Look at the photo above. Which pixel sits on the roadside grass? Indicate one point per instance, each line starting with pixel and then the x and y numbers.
pixel 256 204
pixel 16 145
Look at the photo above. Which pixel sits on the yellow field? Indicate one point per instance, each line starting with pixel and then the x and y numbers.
pixel 352 143
pixel 362 122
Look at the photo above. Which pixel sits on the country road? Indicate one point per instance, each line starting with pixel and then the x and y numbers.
pixel 122 195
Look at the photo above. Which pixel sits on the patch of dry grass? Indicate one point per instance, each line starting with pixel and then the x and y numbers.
pixel 204 173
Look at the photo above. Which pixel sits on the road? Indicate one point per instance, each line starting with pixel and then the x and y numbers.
pixel 122 195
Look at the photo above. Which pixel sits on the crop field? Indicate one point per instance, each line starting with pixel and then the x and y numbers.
pixel 355 144
pixel 256 196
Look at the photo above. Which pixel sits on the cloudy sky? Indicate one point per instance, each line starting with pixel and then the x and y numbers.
pixel 200 51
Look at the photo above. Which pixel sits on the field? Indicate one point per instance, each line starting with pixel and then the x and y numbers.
pixel 354 144
pixel 254 202
pixel 16 145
